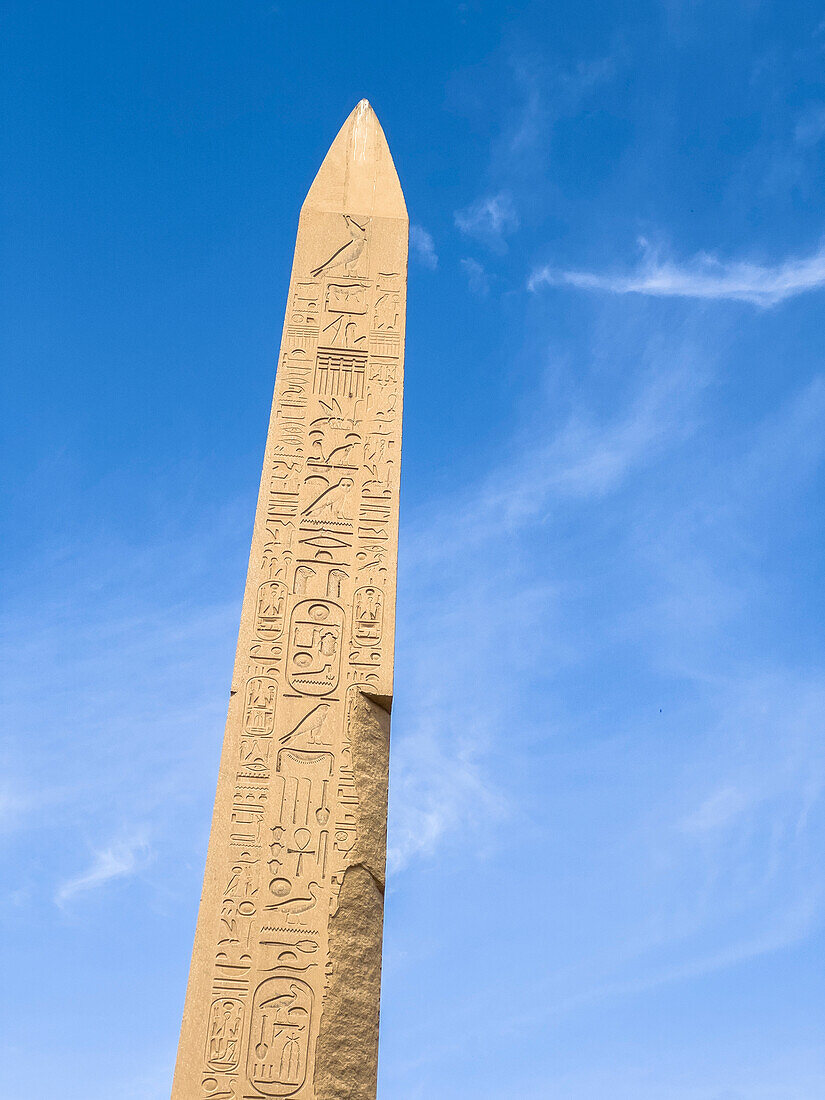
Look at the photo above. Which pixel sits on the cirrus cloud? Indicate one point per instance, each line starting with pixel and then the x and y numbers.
pixel 423 247
pixel 489 219
pixel 704 277
pixel 119 859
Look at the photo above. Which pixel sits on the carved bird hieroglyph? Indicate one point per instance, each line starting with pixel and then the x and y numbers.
pixel 282 1003
pixel 348 254
pixel 310 725
pixel 331 501
pixel 293 907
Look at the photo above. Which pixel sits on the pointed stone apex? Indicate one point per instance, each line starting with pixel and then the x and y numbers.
pixel 358 175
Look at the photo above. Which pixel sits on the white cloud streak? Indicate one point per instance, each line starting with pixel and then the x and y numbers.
pixel 118 860
pixel 490 219
pixel 719 810
pixel 423 247
pixel 705 277
pixel 477 278
pixel 436 793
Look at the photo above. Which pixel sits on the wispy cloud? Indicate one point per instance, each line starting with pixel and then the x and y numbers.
pixel 423 247
pixel 810 129
pixel 704 277
pixel 477 277
pixel 719 866
pixel 588 457
pixel 466 565
pixel 119 859
pixel 547 94
pixel 435 792
pixel 12 807
pixel 718 810
pixel 490 219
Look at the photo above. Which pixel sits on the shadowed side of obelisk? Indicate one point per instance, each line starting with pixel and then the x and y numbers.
pixel 283 994
pixel 347 1053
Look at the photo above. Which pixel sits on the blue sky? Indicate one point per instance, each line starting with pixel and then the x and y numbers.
pixel 607 820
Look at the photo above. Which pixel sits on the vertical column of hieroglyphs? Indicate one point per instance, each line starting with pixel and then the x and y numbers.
pixel 317 629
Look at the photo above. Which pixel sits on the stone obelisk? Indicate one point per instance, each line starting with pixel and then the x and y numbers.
pixel 284 985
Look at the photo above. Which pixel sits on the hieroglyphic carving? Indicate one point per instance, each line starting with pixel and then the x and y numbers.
pixel 348 256
pixel 269 621
pixel 223 1039
pixel 317 630
pixel 340 374
pixel 280 1034
pixel 333 501
pixel 367 617
pixel 303 316
pixel 315 647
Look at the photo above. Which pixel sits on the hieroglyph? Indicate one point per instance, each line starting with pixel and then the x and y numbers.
pixel 284 984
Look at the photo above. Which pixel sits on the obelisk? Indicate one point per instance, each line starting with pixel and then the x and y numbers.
pixel 284 985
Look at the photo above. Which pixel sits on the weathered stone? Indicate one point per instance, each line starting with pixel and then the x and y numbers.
pixel 284 986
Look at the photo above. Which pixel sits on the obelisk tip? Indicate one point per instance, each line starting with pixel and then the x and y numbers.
pixel 358 175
